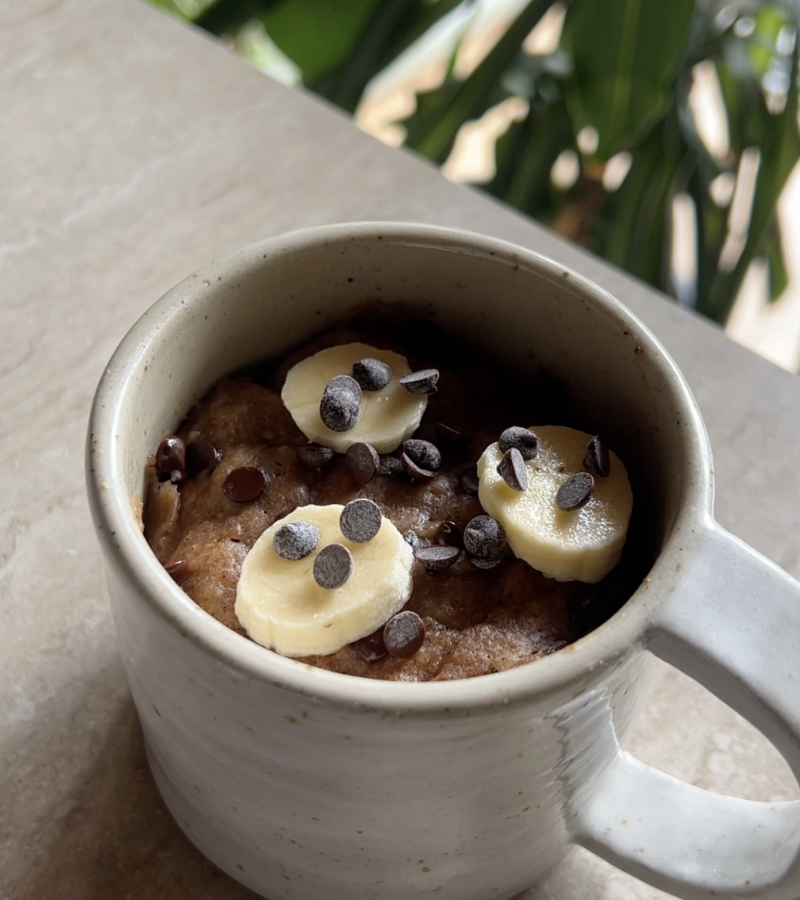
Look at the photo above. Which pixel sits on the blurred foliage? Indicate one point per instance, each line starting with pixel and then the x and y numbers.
pixel 616 96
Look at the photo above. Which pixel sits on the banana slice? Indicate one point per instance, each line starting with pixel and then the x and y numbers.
pixel 282 607
pixel 387 416
pixel 582 545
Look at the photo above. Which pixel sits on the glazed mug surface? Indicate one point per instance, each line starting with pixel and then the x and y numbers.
pixel 303 783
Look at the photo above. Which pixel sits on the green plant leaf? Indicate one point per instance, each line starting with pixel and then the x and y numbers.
pixel 317 35
pixel 761 47
pixel 393 26
pixel 430 11
pixel 524 157
pixel 432 128
pixel 634 222
pixel 616 225
pixel 712 227
pixel 169 6
pixel 771 249
pixel 228 16
pixel 778 141
pixel 626 55
pixel 741 95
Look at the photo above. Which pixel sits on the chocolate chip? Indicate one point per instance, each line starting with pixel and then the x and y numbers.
pixel 341 403
pixel 522 439
pixel 485 539
pixel 295 540
pixel 333 566
pixel 370 648
pixel 372 374
pixel 513 471
pixel 360 520
pixel 448 534
pixel 597 462
pixel 422 454
pixel 201 457
pixel 392 466
pixel 575 492
pixel 244 484
pixel 415 471
pixel 314 457
pixel 362 461
pixel 453 442
pixel 422 382
pixel 437 558
pixel 404 634
pixel 170 457
pixel 468 482
pixel 179 570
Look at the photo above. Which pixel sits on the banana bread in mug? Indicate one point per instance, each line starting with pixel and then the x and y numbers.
pixel 385 503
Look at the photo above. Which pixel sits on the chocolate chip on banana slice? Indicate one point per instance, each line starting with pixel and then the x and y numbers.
pixel 291 603
pixel 567 523
pixel 332 408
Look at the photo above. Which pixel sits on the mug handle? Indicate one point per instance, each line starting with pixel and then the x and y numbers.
pixel 733 624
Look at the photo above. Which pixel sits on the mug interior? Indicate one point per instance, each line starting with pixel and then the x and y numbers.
pixel 529 315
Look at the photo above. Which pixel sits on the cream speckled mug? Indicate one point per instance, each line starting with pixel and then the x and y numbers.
pixel 308 784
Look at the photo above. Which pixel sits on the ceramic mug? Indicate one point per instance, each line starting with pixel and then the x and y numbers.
pixel 303 783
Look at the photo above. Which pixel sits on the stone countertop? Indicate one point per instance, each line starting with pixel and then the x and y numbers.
pixel 135 151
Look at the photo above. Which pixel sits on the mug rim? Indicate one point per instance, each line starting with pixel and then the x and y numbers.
pixel 125 545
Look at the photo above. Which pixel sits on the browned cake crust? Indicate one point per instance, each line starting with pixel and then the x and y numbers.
pixel 476 622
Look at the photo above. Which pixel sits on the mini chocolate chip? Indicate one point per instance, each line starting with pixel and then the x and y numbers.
pixel 372 374
pixel 170 457
pixel 341 403
pixel 437 558
pixel 362 461
pixel 422 454
pixel 575 492
pixel 468 482
pixel 597 462
pixel 333 566
pixel 201 457
pixel 295 540
pixel 485 539
pixel 360 520
pixel 244 484
pixel 448 534
pixel 393 467
pixel 370 648
pixel 452 441
pixel 404 634
pixel 422 382
pixel 513 471
pixel 179 570
pixel 523 439
pixel 314 457
pixel 414 470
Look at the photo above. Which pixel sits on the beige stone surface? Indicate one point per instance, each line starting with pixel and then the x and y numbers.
pixel 135 151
